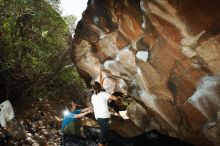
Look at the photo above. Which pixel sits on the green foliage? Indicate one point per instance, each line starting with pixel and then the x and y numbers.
pixel 69 76
pixel 55 5
pixel 34 50
pixel 70 21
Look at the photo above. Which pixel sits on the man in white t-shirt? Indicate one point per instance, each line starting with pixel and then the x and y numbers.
pixel 101 111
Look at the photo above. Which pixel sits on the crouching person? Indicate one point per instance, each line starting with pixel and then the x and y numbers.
pixel 71 122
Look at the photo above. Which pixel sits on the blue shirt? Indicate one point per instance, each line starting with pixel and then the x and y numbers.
pixel 69 118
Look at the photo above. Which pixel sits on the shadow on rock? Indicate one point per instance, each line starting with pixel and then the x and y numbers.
pixel 151 138
pixel 68 140
pixel 154 138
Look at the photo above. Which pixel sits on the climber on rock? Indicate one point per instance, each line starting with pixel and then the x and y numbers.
pixel 71 122
pixel 100 105
pixel 112 104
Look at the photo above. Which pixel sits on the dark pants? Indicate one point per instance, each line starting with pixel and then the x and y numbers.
pixel 104 130
pixel 73 128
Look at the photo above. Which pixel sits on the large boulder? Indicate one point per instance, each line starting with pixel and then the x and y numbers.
pixel 165 53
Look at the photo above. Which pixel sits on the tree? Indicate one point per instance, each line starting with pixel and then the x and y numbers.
pixel 34 51
pixel 55 5
pixel 71 22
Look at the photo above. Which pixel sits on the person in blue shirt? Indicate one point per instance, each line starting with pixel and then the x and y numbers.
pixel 71 121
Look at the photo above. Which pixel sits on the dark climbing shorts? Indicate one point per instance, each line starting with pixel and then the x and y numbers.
pixel 73 128
pixel 104 130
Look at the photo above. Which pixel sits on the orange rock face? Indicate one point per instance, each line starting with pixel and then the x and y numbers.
pixel 166 54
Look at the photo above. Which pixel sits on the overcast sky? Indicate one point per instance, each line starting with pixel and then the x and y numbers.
pixel 73 7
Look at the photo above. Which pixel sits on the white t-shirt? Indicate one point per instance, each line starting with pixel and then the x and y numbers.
pixel 100 105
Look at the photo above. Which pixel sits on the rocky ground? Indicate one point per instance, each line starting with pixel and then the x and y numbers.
pixel 37 123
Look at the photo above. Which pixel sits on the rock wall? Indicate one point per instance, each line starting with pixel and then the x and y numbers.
pixel 165 53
